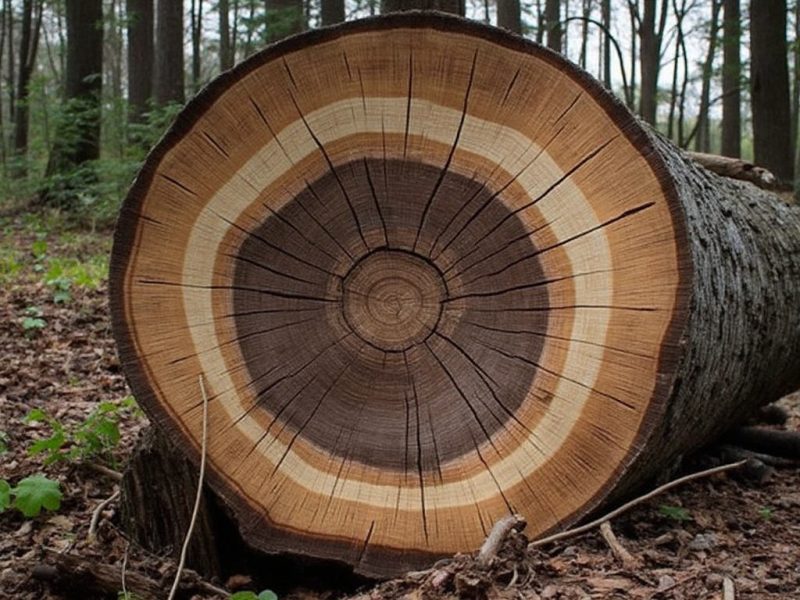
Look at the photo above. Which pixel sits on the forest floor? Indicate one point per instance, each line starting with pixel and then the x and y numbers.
pixel 720 537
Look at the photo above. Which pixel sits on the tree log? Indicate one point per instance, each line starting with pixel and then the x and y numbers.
pixel 434 274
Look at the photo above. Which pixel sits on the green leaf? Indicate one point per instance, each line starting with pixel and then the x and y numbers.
pixel 50 445
pixel 61 296
pixel 243 596
pixel 5 495
pixel 765 512
pixel 36 492
pixel 39 249
pixel 676 513
pixel 31 323
pixel 3 442
pixel 268 595
pixel 37 415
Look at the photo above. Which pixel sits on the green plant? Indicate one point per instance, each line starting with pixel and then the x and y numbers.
pixel 10 264
pixel 766 513
pixel 675 513
pixel 32 320
pixel 3 442
pixel 263 595
pixel 96 436
pixel 31 495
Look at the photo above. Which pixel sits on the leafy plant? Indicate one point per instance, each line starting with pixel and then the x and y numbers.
pixel 97 435
pixel 31 495
pixel 263 595
pixel 32 320
pixel 766 513
pixel 3 442
pixel 676 513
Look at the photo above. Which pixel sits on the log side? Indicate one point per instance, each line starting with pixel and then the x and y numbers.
pixel 741 346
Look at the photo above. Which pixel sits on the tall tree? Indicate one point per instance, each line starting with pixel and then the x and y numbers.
pixel 732 80
pixel 78 139
pixel 703 139
pixel 679 10
pixel 332 11
pixel 284 18
pixel 605 17
pixel 456 7
pixel 168 79
pixel 140 56
pixel 197 38
pixel 509 15
pixel 28 43
pixel 225 49
pixel 769 80
pixel 552 17
pixel 651 32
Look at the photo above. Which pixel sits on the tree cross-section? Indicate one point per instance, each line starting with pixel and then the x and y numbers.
pixel 434 274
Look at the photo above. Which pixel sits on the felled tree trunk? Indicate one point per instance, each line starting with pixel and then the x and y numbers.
pixel 432 274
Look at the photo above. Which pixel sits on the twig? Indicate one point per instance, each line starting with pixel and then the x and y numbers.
pixel 497 536
pixel 199 495
pixel 618 550
pixel 635 502
pixel 728 589
pixel 124 569
pixel 104 470
pixel 96 515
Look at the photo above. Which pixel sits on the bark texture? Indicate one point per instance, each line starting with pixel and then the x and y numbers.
pixel 731 80
pixel 509 15
pixel 455 7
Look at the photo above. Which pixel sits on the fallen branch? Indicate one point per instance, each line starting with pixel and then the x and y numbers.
pixel 736 168
pixel 198 496
pixel 103 470
pixel 497 536
pixel 784 444
pixel 627 559
pixel 96 515
pixel 635 502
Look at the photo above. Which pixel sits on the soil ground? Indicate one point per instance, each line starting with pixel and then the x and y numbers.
pixel 725 536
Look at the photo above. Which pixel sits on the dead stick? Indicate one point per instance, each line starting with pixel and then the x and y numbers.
pixel 728 589
pixel 635 502
pixel 617 549
pixel 199 495
pixel 96 514
pixel 497 536
pixel 104 470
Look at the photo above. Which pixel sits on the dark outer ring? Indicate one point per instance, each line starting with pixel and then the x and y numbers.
pixel 390 561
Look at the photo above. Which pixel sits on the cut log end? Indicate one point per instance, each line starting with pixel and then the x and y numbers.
pixel 432 274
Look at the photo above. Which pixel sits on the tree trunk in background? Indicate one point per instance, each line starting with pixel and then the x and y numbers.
pixel 680 13
pixel 456 7
pixel 225 54
pixel 769 80
pixel 552 18
pixel 28 44
pixel 540 26
pixel 633 13
pixel 11 70
pixel 284 18
pixel 732 80
pixel 140 57
pixel 586 11
pixel 796 87
pixel 78 139
pixel 651 34
pixel 605 16
pixel 332 12
pixel 702 142
pixel 197 38
pixel 509 15
pixel 168 76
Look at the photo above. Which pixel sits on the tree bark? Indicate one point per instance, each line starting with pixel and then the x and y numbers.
pixel 168 81
pixel 141 52
pixel 77 141
pixel 769 80
pixel 514 368
pixel 605 10
pixel 197 39
pixel 332 12
pixel 552 18
pixel 509 15
pixel 731 81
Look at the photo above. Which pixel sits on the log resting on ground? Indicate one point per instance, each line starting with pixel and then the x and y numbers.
pixel 434 274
